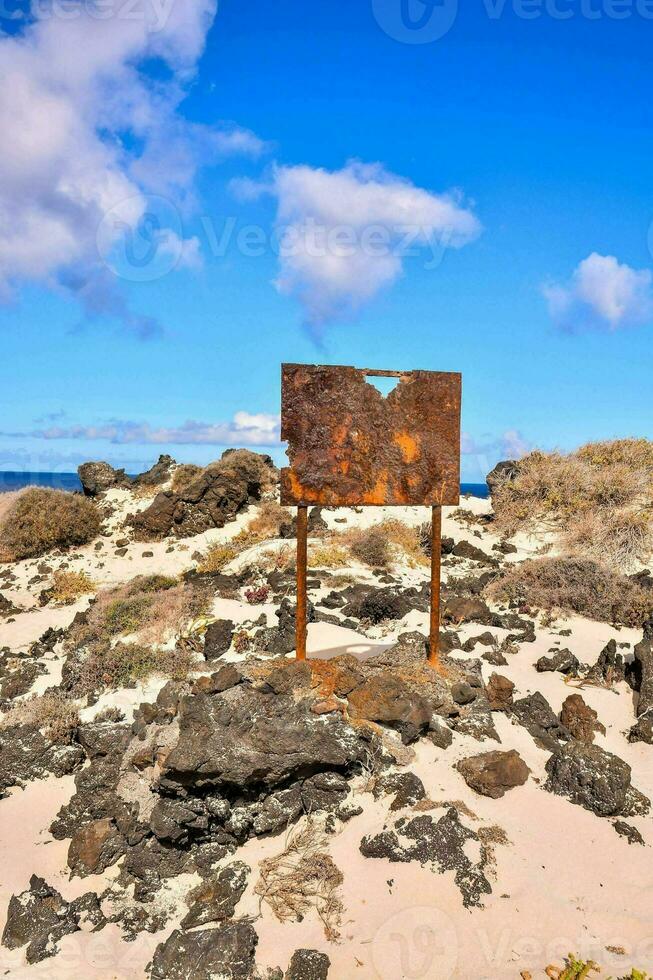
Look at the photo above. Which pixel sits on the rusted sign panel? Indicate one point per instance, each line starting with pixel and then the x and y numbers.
pixel 348 445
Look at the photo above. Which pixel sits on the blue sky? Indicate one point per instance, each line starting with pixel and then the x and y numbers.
pixel 518 151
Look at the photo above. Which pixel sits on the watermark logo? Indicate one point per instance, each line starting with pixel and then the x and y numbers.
pixel 141 243
pixel 415 21
pixel 416 944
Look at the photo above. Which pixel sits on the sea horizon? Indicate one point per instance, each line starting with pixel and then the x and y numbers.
pixel 19 479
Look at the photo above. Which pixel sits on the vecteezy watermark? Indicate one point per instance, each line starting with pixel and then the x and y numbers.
pixel 155 13
pixel 143 239
pixel 425 21
pixel 416 944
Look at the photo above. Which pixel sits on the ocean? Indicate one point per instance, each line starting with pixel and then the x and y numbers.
pixel 10 480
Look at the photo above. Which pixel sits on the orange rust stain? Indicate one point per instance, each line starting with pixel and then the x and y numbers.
pixel 301 492
pixel 408 445
pixel 380 492
pixel 343 466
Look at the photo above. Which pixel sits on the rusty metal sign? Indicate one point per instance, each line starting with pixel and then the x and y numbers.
pixel 350 445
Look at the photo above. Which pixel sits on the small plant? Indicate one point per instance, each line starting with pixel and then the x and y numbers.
pixel 183 476
pixel 574 585
pixel 107 667
pixel 67 587
pixel 257 595
pixel 371 547
pixel 328 556
pixel 42 519
pixel 52 712
pixel 302 877
pixel 111 714
pixel 217 557
pixel 241 641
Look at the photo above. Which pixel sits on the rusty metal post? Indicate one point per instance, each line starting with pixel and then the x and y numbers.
pixel 300 614
pixel 436 547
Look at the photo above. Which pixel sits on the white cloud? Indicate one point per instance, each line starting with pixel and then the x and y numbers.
pixel 601 292
pixel 511 444
pixel 87 131
pixel 345 234
pixel 245 429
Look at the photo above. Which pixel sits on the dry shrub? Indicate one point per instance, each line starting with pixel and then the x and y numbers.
pixel 303 877
pixel 598 499
pixel 371 546
pixel 67 587
pixel 328 556
pixel 217 557
pixel 109 714
pixel 264 526
pixel 42 519
pixel 151 606
pixel 51 711
pixel 575 585
pixel 408 539
pixel 183 476
pixel 112 667
pixel 619 538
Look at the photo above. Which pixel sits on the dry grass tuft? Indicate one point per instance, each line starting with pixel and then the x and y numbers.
pixel 67 587
pixel 575 585
pixel 370 546
pixel 106 667
pixel 303 877
pixel 217 557
pixel 42 519
pixel 153 607
pixel 51 712
pixel 328 555
pixel 598 499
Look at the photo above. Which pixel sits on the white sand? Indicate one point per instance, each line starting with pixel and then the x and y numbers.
pixel 565 882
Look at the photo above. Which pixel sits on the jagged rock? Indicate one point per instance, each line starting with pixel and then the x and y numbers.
pixel 485 639
pixel 7 607
pixel 642 730
pixel 212 499
pixel 389 699
pixel 506 470
pixel 463 693
pixel 539 719
pixel 609 667
pixel 643 671
pixel 217 638
pixel 39 917
pixel 17 674
pixel 581 720
pixel 27 754
pixel 440 844
pixel 563 661
pixel 95 478
pixel 407 787
pixel 595 779
pixel 281 639
pixel 245 737
pixel 493 773
pixel 376 605
pixel 95 847
pixel 172 820
pixel 631 834
pixel 499 691
pixel 460 609
pixel 215 900
pixel 439 734
pixel 157 474
pixel 207 954
pixel 464 549
pixel 308 964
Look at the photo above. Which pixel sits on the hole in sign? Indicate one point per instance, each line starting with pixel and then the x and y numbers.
pixel 382 385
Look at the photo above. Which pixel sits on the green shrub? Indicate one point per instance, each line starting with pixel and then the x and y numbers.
pixel 42 519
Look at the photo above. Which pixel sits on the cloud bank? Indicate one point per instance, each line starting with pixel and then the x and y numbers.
pixel 92 133
pixel 344 235
pixel 245 429
pixel 602 292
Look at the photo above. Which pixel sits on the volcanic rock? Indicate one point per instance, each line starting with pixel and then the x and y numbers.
pixel 493 773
